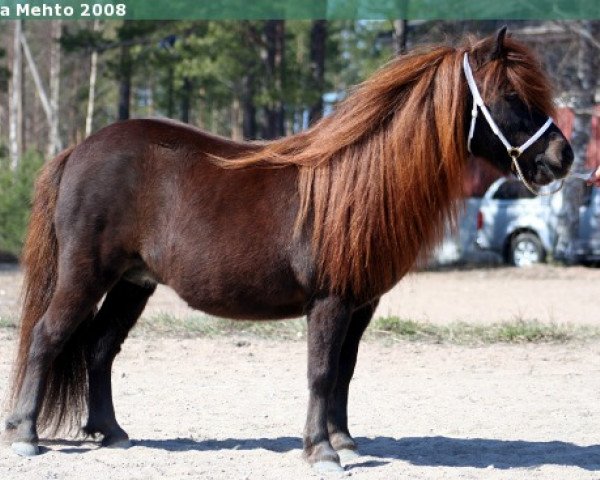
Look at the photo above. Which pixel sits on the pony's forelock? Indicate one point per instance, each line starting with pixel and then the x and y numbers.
pixel 517 70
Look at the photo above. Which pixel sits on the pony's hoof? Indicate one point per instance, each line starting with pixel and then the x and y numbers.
pixel 123 443
pixel 327 467
pixel 25 449
pixel 348 455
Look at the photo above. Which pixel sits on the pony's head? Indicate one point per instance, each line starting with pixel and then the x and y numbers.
pixel 518 97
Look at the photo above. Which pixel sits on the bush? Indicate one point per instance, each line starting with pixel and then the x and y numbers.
pixel 16 192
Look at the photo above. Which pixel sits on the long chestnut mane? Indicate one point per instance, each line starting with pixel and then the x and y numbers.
pixel 379 179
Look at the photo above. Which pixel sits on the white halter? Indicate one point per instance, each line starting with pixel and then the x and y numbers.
pixel 513 152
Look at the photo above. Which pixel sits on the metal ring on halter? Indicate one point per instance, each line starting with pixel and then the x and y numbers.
pixel 514 152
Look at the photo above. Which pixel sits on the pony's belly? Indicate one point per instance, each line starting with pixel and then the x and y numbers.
pixel 267 313
pixel 236 296
pixel 265 301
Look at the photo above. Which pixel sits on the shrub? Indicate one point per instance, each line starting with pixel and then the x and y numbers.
pixel 16 191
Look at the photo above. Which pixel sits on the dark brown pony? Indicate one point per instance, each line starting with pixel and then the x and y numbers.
pixel 320 223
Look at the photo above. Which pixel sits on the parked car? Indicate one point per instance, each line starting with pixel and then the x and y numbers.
pixel 521 227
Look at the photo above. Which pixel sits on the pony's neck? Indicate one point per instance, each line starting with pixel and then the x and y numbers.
pixel 378 178
pixel 381 194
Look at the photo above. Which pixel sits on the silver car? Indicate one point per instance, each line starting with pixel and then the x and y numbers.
pixel 522 228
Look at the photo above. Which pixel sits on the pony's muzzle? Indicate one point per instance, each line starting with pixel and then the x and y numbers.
pixel 558 156
pixel 554 163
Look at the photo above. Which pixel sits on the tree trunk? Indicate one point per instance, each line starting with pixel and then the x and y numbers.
pixel 16 107
pixel 568 224
pixel 124 83
pixel 400 28
pixel 54 143
pixel 237 130
pixel 275 46
pixel 23 129
pixel 170 91
pixel 318 41
pixel 280 78
pixel 248 107
pixel 89 117
pixel 41 91
pixel 186 97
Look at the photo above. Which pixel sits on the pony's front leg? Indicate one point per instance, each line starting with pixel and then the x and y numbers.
pixel 339 435
pixel 328 321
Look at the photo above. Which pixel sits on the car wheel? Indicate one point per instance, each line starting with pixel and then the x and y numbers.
pixel 526 249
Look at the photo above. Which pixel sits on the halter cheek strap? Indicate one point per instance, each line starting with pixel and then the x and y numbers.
pixel 513 152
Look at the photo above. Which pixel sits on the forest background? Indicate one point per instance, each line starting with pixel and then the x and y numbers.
pixel 62 80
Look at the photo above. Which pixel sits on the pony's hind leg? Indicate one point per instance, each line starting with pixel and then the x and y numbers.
pixel 337 419
pixel 120 310
pixel 52 385
pixel 328 321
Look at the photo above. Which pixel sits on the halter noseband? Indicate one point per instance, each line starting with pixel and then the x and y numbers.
pixel 513 152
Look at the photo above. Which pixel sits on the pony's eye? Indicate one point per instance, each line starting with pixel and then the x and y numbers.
pixel 511 96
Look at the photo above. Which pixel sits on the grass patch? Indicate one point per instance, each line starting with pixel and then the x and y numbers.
pixel 516 331
pixel 8 322
pixel 207 326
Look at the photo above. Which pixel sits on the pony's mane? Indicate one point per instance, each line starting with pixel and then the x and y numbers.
pixel 380 177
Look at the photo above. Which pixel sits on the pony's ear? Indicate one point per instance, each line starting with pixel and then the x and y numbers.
pixel 499 51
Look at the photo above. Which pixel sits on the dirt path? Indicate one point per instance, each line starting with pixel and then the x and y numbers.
pixel 544 293
pixel 209 409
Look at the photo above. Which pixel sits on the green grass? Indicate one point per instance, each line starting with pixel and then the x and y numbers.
pixel 7 322
pixel 516 331
pixel 207 326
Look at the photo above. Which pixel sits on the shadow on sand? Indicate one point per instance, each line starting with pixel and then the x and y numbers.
pixel 424 451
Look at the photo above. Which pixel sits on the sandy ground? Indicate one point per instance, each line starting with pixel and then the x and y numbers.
pixel 233 407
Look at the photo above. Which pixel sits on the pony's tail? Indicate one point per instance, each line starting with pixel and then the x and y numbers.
pixel 67 378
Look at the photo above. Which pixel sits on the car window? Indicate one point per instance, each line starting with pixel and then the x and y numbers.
pixel 512 190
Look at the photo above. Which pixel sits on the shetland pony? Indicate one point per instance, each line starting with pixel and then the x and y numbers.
pixel 320 223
